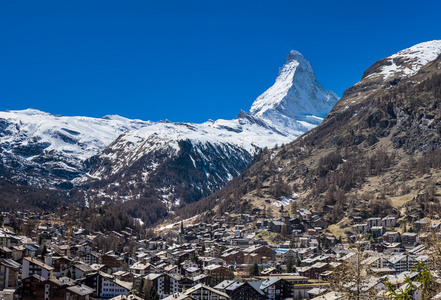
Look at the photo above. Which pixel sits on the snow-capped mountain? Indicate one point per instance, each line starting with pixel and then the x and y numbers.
pixel 296 102
pixel 38 147
pixel 178 162
pixel 118 159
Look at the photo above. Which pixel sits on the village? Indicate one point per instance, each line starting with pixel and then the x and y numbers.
pixel 57 259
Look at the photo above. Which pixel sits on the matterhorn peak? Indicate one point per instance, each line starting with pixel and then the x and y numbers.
pixel 295 55
pixel 296 101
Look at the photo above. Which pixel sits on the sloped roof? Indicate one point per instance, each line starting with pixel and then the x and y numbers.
pixel 203 286
pixel 224 284
pixel 269 282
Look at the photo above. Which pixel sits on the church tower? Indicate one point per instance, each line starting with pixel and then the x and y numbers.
pixel 181 234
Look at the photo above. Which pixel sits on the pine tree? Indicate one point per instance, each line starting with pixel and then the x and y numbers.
pixel 147 289
pixel 153 295
pixel 43 251
pixel 325 244
pixel 231 277
pixel 289 265
pixel 140 288
pixel 254 270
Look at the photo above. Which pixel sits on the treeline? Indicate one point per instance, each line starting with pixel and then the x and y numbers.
pixel 103 219
pixel 14 196
pixel 149 210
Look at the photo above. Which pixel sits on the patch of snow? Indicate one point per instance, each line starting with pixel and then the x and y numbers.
pixel 285 201
pixel 409 61
pixel 170 226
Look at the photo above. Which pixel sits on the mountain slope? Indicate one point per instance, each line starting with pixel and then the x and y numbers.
pixel 41 149
pixel 388 71
pixel 376 153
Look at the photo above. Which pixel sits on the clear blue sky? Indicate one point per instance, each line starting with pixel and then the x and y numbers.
pixel 190 60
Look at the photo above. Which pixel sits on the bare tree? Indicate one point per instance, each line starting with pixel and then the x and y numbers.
pixel 352 277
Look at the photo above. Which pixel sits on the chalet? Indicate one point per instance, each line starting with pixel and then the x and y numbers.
pixel 409 238
pixel 276 226
pixel 389 222
pixel 91 258
pixel 275 288
pixel 78 292
pixel 262 251
pixel 5 252
pixel 398 262
pixel 218 273
pixel 222 285
pixel 60 264
pixel 142 269
pixel 29 286
pixel 184 283
pixel 50 289
pixel 5 240
pixel 18 252
pixel 80 270
pixel 171 269
pixel 54 289
pixel 233 257
pixel 421 225
pixel 317 269
pixel 191 271
pixel 165 284
pixel 30 250
pixel 283 255
pixel 206 261
pixel 124 276
pixel 391 236
pixel 202 292
pixel 112 261
pixel 244 291
pixel 270 271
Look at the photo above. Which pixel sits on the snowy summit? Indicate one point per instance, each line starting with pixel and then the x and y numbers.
pixel 296 102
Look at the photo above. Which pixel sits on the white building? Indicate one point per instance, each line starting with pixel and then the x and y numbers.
pixel 32 266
